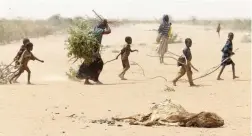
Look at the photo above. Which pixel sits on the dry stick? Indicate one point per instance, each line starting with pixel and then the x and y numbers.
pixel 151 77
pixel 97 15
pixel 216 67
pixel 110 61
pixel 169 57
pixel 8 65
pixel 140 67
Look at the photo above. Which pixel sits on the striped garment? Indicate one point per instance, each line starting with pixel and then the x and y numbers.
pixel 164 29
pixel 163 47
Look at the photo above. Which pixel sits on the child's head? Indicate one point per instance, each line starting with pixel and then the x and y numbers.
pixel 128 40
pixel 230 36
pixel 25 41
pixel 188 42
pixel 29 46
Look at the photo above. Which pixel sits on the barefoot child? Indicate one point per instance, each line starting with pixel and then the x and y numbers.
pixel 227 51
pixel 20 52
pixel 125 52
pixel 25 58
pixel 186 58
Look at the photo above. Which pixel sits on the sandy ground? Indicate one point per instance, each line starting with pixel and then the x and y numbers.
pixel 42 109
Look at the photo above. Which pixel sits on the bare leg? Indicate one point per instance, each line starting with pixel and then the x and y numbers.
pixel 121 75
pixel 222 68
pixel 162 58
pixel 29 76
pixel 180 74
pixel 97 77
pixel 15 76
pixel 15 80
pixel 189 76
pixel 233 69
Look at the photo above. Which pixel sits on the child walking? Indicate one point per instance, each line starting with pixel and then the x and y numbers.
pixel 25 58
pixel 186 59
pixel 125 52
pixel 227 51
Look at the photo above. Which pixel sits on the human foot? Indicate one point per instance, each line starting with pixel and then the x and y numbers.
pixel 235 77
pixel 192 85
pixel 174 83
pixel 120 76
pixel 87 83
pixel 15 81
pixel 123 78
pixel 219 78
pixel 99 82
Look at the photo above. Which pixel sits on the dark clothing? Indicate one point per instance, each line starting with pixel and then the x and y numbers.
pixel 187 53
pixel 125 52
pixel 227 51
pixel 90 71
pixel 181 59
pixel 125 63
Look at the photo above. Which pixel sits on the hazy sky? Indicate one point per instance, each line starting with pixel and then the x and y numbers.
pixel 142 9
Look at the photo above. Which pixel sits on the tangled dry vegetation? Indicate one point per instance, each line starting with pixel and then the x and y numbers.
pixel 6 72
pixel 246 38
pixel 168 113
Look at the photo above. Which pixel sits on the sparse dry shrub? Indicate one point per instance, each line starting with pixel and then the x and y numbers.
pixel 174 38
pixel 246 38
pixel 71 74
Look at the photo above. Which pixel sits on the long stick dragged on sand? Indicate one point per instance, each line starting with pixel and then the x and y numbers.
pixel 6 72
pixel 212 70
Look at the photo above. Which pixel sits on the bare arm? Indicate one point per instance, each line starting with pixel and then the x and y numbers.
pixel 107 30
pixel 35 58
pixel 122 51
pixel 133 50
pixel 118 55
